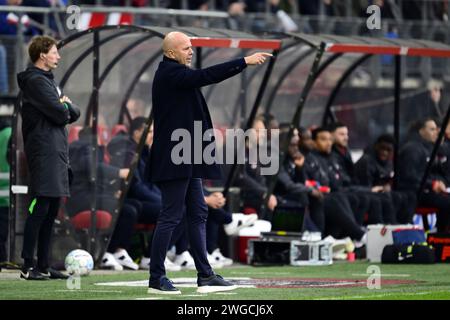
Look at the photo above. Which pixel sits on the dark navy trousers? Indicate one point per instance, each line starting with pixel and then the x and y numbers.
pixel 175 195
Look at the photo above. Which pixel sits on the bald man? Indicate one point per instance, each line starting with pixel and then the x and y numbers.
pixel 177 104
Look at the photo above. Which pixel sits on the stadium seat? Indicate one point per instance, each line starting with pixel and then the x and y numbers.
pixel 82 224
pixel 102 132
pixel 82 220
pixel 249 210
pixel 118 128
pixel 103 135
pixel 74 133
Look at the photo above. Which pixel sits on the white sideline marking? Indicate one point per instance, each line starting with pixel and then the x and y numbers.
pixel 140 283
pixel 335 284
pixel 226 293
pixel 178 282
pixel 80 290
pixel 257 273
pixel 382 275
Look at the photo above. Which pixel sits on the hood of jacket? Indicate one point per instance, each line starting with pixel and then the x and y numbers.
pixel 30 72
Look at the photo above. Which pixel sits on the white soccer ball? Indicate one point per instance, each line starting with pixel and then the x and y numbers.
pixel 79 262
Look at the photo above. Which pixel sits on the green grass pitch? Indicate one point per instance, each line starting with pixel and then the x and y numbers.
pixel 398 282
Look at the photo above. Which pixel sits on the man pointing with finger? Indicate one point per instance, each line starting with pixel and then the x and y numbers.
pixel 177 104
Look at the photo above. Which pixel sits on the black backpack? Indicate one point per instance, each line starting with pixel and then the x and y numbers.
pixel 408 253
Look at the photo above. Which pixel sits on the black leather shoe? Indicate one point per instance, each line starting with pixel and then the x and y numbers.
pixel 54 274
pixel 214 283
pixel 163 286
pixel 32 274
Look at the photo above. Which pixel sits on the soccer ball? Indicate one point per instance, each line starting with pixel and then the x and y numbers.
pixel 79 262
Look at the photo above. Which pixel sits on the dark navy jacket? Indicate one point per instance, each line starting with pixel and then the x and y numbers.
pixel 177 103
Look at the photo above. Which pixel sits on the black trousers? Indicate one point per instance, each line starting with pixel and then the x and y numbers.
pixel 124 227
pixel 388 206
pixel 177 195
pixel 38 229
pixel 216 219
pixel 317 212
pixel 340 220
pixel 359 204
pixel 404 204
pixel 381 208
pixel 180 237
pixel 378 207
pixel 4 221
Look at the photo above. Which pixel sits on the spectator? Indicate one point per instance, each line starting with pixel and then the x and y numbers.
pixel 111 3
pixel 438 10
pixel 39 17
pixel 8 28
pixel 191 4
pixel 413 10
pixel 313 7
pixel 9 20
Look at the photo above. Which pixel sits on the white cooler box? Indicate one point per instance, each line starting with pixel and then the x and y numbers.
pixel 380 235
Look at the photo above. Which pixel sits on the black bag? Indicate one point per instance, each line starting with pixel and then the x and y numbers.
pixel 408 253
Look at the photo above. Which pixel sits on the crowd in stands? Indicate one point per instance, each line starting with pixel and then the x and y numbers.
pixel 284 10
pixel 406 9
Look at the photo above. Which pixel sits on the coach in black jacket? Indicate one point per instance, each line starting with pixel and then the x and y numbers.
pixel 45 113
pixel 177 103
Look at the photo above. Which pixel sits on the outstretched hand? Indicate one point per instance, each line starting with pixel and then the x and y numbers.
pixel 257 58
